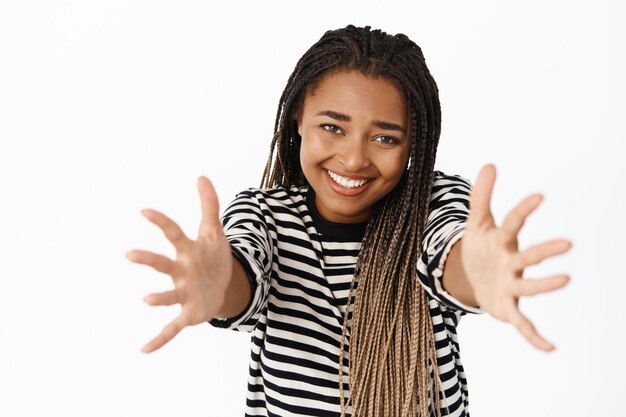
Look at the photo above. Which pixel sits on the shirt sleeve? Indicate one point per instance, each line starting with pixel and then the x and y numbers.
pixel 448 212
pixel 246 230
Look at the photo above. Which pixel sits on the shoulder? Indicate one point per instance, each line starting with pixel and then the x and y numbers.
pixel 441 179
pixel 275 198
pixel 448 190
pixel 444 183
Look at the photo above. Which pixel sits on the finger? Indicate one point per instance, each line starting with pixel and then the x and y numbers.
pixel 527 329
pixel 210 207
pixel 538 286
pixel 514 221
pixel 165 336
pixel 159 262
pixel 537 253
pixel 166 298
pixel 172 231
pixel 480 198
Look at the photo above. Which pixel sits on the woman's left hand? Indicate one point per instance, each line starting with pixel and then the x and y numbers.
pixel 493 264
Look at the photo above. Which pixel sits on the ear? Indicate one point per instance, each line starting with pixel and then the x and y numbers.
pixel 299 123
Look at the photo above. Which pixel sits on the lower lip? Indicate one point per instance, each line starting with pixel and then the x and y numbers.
pixel 349 192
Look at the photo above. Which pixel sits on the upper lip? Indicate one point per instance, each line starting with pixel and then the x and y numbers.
pixel 351 176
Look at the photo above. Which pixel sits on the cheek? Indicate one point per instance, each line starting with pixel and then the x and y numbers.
pixel 313 150
pixel 304 153
pixel 392 165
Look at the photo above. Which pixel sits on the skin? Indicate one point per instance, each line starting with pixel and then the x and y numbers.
pixel 484 268
pixel 342 131
pixel 208 281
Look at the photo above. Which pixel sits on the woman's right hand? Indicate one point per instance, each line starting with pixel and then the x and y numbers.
pixel 201 272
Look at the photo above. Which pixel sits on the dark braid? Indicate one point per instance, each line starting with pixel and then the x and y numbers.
pixel 393 363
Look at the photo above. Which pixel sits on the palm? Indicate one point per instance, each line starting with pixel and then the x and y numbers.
pixel 493 264
pixel 200 273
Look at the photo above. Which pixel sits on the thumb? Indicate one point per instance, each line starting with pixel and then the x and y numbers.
pixel 210 206
pixel 480 197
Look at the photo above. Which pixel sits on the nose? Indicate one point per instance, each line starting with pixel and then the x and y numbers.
pixel 354 154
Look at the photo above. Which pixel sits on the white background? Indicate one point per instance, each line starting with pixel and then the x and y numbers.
pixel 113 106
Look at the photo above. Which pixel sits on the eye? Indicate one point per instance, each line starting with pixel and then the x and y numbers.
pixel 387 140
pixel 330 128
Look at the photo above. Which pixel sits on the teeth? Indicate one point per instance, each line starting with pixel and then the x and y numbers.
pixel 346 182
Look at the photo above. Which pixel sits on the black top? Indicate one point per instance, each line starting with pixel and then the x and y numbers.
pixel 344 232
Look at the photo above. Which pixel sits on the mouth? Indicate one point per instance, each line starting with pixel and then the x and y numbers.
pixel 346 186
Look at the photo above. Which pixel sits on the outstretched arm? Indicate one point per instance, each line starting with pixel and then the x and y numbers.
pixel 485 266
pixel 454 280
pixel 208 280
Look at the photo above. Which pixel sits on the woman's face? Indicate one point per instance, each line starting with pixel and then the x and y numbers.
pixel 355 143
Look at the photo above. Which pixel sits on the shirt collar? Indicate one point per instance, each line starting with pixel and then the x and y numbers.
pixel 348 232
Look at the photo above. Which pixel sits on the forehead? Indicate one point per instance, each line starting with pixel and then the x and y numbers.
pixel 356 94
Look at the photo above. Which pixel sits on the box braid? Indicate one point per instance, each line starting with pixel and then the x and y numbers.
pixel 393 362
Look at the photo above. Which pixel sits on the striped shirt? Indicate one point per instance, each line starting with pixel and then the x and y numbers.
pixel 301 266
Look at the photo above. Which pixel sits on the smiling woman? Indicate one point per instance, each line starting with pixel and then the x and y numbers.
pixel 336 262
pixel 354 146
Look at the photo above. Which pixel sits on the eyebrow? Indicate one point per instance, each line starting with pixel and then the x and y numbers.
pixel 378 123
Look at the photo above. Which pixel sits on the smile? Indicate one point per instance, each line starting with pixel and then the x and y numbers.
pixel 346 186
pixel 346 182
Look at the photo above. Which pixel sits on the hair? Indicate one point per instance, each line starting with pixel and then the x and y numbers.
pixel 392 354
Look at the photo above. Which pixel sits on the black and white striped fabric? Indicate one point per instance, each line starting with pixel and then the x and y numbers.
pixel 301 266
